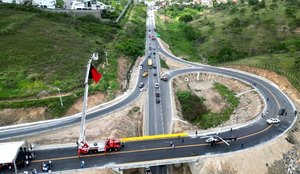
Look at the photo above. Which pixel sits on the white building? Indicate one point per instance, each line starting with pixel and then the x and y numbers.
pixel 44 3
pixel 39 3
pixel 12 1
pixel 89 5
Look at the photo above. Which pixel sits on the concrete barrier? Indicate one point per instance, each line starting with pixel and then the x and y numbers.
pixel 153 137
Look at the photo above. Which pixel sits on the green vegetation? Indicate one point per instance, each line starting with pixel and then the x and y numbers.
pixel 118 8
pixel 53 104
pixel 179 36
pixel 40 50
pixel 192 105
pixel 232 31
pixel 163 64
pixel 195 112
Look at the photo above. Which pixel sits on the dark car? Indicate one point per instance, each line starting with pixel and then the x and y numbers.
pixel 281 111
pixel 164 78
pixel 141 85
pixel 157 94
pixel 157 100
pixel 155 74
pixel 154 67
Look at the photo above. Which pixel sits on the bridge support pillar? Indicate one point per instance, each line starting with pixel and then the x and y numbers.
pixel 192 166
pixel 117 170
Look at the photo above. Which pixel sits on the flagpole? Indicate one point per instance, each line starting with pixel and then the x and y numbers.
pixel 84 105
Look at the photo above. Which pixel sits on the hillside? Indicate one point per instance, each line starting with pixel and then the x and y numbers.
pixel 41 51
pixel 232 31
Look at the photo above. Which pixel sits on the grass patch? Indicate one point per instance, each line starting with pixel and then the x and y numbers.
pixel 53 105
pixel 192 105
pixel 178 35
pixel 163 64
pixel 40 50
pixel 232 31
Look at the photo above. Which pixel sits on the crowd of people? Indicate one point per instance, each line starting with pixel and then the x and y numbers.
pixel 25 156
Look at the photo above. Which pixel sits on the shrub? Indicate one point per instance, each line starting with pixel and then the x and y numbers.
pixel 186 18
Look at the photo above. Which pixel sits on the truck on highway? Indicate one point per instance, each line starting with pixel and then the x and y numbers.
pixel 109 145
pixel 149 63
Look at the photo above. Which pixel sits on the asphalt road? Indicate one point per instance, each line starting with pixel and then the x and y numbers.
pixel 154 116
pixel 248 136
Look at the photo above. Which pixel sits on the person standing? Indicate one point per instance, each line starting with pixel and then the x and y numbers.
pixel 82 164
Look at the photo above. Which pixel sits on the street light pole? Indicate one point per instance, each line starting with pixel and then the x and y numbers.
pixel 61 103
pixel 84 105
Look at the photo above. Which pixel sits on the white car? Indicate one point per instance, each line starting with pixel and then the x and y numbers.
pixel 141 67
pixel 273 120
pixel 156 85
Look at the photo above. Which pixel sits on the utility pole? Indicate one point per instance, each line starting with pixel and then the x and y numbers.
pixel 61 103
pixel 84 105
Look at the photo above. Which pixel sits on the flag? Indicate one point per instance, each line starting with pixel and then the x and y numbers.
pixel 94 74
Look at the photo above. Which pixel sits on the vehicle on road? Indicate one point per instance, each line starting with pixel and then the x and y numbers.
pixel 273 121
pixel 141 85
pixel 281 111
pixel 157 100
pixel 141 66
pixel 148 170
pixel 157 94
pixel 109 145
pixel 155 74
pixel 150 63
pixel 145 74
pixel 164 78
pixel 212 140
pixel 156 85
pixel 154 67
pixel 47 166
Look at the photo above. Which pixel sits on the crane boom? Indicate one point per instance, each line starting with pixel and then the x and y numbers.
pixel 84 104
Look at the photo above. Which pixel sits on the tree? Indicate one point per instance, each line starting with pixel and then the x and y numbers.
pixel 294 23
pixel 289 12
pixel 253 2
pixel 273 6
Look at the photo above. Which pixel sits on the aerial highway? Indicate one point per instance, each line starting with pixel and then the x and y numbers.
pixel 158 151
